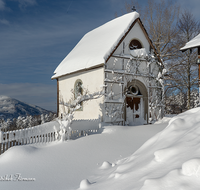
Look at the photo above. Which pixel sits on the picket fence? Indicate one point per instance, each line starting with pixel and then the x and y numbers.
pixel 46 133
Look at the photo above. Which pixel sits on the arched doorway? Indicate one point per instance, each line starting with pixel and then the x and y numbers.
pixel 136 103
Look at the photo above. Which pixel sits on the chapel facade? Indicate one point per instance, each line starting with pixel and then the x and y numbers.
pixel 120 59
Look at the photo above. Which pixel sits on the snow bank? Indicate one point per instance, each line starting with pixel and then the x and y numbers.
pixel 106 165
pixel 169 160
pixel 84 184
pixel 64 165
pixel 191 168
pixel 165 119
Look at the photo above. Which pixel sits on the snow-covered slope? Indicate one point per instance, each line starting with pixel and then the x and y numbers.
pixel 170 160
pixel 64 165
pixel 12 108
pixel 112 160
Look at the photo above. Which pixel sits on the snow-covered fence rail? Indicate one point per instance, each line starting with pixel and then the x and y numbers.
pixel 84 127
pixel 47 132
pixel 39 134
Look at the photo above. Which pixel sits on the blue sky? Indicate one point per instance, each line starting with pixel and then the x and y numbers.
pixel 35 35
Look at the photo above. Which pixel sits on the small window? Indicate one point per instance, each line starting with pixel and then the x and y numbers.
pixel 78 89
pixel 135 44
pixel 134 90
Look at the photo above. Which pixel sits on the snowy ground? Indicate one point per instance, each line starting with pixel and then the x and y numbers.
pixel 64 165
pixel 112 160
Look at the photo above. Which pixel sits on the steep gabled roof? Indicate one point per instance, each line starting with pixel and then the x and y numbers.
pixel 195 42
pixel 96 46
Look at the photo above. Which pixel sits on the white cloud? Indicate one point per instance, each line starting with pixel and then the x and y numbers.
pixel 4 21
pixel 2 5
pixel 25 3
pixel 39 94
pixel 22 4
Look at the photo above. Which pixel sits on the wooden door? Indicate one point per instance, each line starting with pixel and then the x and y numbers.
pixel 133 103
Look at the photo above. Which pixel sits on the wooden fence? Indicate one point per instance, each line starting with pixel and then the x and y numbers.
pixel 46 133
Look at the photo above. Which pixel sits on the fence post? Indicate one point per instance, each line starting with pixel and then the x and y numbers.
pixel 51 139
pixel 6 146
pixel 54 136
pixel 1 139
pixel 3 147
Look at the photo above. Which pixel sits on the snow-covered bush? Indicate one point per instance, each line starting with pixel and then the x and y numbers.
pixel 75 103
pixel 177 103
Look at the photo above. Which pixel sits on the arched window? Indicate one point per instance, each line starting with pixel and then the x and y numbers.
pixel 135 44
pixel 78 89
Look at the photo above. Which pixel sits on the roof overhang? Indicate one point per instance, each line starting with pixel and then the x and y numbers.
pixel 79 71
pixel 183 49
pixel 193 43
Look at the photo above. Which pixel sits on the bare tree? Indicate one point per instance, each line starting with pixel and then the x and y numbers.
pixel 169 33
pixel 183 68
pixel 159 19
pixel 74 104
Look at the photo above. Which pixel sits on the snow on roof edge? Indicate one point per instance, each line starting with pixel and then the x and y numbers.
pixel 70 63
pixel 120 37
pixel 193 43
pixel 81 70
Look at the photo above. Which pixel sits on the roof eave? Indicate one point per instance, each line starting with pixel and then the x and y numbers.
pixel 82 70
pixel 185 49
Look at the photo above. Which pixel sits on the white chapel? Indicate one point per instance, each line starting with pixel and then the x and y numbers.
pixel 119 58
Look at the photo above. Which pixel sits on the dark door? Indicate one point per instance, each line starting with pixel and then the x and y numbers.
pixel 133 102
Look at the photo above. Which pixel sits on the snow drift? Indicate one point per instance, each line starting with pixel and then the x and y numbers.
pixel 169 160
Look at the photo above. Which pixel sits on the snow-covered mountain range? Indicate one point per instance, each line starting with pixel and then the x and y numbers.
pixel 12 108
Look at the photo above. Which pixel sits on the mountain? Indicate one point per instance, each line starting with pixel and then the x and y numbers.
pixel 12 108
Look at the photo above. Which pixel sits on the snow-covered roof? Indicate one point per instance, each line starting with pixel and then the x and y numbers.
pixel 96 46
pixel 195 42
